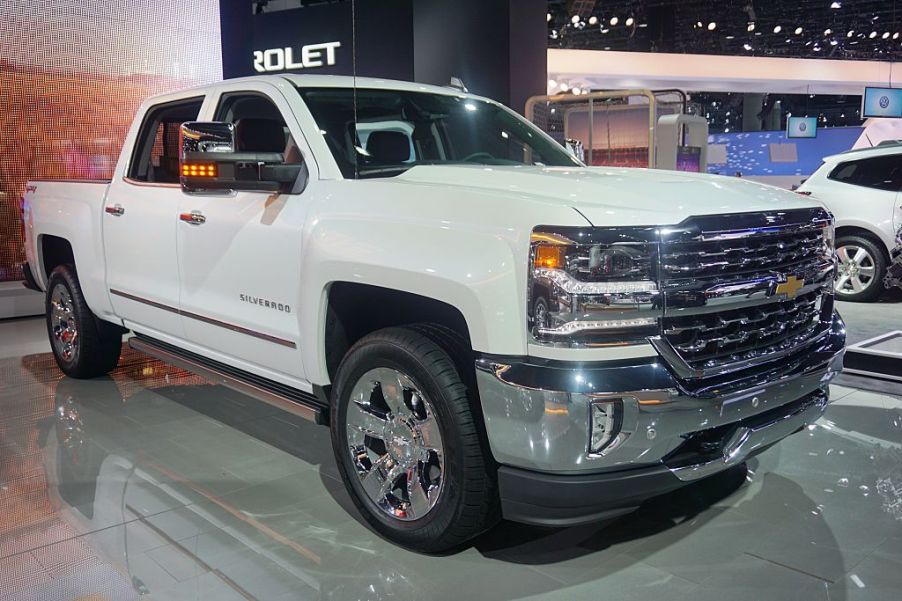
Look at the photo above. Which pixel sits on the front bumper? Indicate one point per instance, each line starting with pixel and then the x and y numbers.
pixel 537 422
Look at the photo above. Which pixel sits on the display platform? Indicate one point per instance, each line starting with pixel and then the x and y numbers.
pixel 879 357
pixel 18 301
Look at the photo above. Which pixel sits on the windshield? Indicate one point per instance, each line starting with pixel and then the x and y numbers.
pixel 397 130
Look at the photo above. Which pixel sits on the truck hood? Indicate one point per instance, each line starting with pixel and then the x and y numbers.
pixel 615 196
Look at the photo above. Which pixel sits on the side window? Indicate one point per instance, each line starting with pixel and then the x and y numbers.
pixel 844 172
pixel 156 154
pixel 259 125
pixel 881 173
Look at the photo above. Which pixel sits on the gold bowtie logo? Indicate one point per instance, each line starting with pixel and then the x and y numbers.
pixel 790 287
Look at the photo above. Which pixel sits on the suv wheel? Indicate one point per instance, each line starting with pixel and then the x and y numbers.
pixel 83 346
pixel 406 442
pixel 862 266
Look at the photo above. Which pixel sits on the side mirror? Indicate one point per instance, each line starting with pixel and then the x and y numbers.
pixel 208 162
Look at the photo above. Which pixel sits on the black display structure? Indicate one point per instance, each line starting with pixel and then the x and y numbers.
pixel 497 48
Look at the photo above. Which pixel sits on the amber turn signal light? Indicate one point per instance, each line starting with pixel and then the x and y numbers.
pixel 199 170
pixel 549 257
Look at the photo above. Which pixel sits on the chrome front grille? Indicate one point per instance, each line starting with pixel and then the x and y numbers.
pixel 777 250
pixel 708 341
pixel 736 298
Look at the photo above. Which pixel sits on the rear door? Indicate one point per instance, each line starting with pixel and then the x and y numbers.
pixel 240 267
pixel 140 219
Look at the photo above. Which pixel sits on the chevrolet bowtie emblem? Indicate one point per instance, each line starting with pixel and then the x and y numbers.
pixel 790 287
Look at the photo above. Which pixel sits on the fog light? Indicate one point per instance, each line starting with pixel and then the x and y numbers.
pixel 606 418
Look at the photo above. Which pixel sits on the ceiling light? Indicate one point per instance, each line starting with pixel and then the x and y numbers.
pixel 554 34
pixel 873 35
pixel 731 37
pixel 614 21
pixel 593 20
pixel 548 18
pixel 799 30
pixel 577 91
pixel 778 29
pixel 552 83
pixel 896 36
pixel 564 87
pixel 747 46
pixel 817 48
pixel 630 21
pixel 851 33
pixel 574 19
pixel 712 26
pixel 605 30
pixel 833 42
pixel 699 24
pixel 836 5
pixel 828 31
pixel 885 35
pixel 751 26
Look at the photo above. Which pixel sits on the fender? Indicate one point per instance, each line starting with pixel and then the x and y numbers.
pixel 879 232
pixel 477 274
pixel 73 212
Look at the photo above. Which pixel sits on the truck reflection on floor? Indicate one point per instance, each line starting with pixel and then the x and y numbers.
pixel 143 514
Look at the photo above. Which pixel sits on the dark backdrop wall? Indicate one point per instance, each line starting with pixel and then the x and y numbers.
pixel 497 47
pixel 72 74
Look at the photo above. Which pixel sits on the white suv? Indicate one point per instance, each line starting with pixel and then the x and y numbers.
pixel 863 190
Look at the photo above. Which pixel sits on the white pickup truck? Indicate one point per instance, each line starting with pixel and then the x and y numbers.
pixel 489 328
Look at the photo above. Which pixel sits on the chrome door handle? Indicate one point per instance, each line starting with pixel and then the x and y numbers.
pixel 115 210
pixel 194 218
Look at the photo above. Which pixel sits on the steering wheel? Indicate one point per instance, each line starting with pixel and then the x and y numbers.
pixel 476 155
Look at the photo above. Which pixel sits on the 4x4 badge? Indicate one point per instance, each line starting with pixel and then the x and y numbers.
pixel 790 287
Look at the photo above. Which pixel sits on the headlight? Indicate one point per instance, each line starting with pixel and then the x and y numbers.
pixel 593 285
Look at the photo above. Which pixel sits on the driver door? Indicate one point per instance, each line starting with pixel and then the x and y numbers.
pixel 239 251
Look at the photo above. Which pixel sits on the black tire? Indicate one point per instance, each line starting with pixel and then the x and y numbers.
pixel 468 500
pixel 98 343
pixel 875 287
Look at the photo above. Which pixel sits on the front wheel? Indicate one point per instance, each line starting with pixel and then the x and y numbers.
pixel 862 266
pixel 407 444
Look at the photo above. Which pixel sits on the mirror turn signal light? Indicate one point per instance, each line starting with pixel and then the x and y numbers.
pixel 549 256
pixel 199 170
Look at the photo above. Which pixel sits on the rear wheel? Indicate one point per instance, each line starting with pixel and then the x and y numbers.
pixel 84 346
pixel 862 266
pixel 407 443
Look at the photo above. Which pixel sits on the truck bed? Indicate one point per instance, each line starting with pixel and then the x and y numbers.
pixel 73 211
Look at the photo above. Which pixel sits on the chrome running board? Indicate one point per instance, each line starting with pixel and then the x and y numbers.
pixel 280 396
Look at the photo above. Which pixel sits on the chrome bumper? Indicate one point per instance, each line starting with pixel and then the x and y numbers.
pixel 537 413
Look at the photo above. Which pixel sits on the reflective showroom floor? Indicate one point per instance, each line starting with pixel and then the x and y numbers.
pixel 153 483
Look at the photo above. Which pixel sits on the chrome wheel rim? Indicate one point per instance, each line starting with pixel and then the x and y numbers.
pixel 856 270
pixel 63 326
pixel 395 444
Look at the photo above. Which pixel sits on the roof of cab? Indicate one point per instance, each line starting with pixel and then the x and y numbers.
pixel 318 81
pixel 347 81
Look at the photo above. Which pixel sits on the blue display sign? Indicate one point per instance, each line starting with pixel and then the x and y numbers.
pixel 801 127
pixel 882 102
